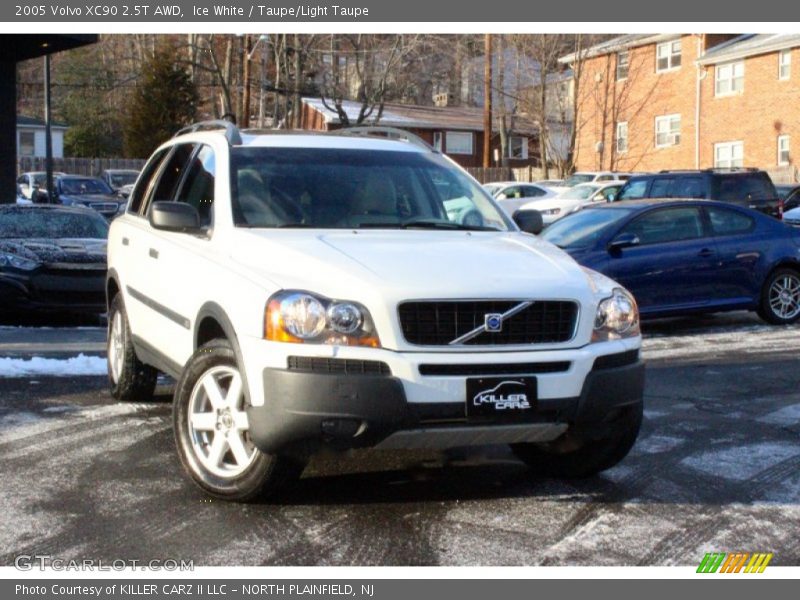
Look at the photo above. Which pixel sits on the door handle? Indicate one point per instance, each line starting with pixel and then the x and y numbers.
pixel 153 253
pixel 705 252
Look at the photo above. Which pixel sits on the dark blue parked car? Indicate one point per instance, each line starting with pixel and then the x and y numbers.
pixel 689 256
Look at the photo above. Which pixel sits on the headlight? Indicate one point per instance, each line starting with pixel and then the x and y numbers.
pixel 16 262
pixel 300 317
pixel 617 317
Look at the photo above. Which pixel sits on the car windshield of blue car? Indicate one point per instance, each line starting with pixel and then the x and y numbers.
pixel 356 189
pixel 85 186
pixel 583 228
pixel 51 224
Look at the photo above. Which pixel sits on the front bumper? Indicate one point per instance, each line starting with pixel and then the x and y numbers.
pixel 303 409
pixel 51 290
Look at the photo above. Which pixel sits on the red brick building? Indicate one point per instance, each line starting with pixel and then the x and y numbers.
pixel 652 102
pixel 455 130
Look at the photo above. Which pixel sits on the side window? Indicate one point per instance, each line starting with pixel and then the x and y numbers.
pixel 667 225
pixel 687 187
pixel 198 185
pixel 169 176
pixel 729 222
pixel 512 192
pixel 533 192
pixel 730 189
pixel 634 190
pixel 758 187
pixel 660 187
pixel 604 178
pixel 138 193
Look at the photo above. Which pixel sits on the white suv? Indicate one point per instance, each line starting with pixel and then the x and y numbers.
pixel 357 289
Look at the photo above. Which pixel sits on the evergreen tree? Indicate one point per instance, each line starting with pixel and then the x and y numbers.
pixel 164 101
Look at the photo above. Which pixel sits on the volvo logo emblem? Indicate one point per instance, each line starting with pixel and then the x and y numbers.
pixel 493 322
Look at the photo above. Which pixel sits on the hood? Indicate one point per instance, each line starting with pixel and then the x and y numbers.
pixel 400 265
pixel 90 198
pixel 68 250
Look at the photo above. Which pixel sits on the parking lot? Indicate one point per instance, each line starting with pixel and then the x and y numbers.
pixel 716 467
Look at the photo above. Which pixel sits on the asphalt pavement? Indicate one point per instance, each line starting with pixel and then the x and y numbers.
pixel 716 468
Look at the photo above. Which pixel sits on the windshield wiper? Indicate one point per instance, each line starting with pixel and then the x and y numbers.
pixel 444 225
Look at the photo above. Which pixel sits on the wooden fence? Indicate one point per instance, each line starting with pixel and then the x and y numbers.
pixel 78 166
pixel 784 175
pixel 523 174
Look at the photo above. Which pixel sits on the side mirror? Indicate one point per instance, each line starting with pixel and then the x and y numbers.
pixel 529 221
pixel 174 216
pixel 624 240
pixel 612 197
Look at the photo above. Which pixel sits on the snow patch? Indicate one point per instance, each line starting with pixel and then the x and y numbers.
pixel 740 463
pixel 77 365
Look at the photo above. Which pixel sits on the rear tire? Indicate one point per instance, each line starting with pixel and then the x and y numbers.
pixel 131 380
pixel 780 297
pixel 567 458
pixel 212 431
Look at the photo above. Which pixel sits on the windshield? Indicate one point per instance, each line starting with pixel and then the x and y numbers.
pixel 343 188
pixel 580 193
pixel 51 224
pixel 493 188
pixel 577 178
pixel 120 179
pixel 84 186
pixel 583 228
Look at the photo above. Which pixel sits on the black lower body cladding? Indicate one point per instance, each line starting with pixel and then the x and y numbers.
pixel 307 409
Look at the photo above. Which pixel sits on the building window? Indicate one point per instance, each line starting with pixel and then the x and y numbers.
pixel 784 64
pixel 784 158
pixel 437 141
pixel 622 137
pixel 518 147
pixel 623 63
pixel 27 143
pixel 729 155
pixel 668 56
pixel 668 131
pixel 458 142
pixel 729 79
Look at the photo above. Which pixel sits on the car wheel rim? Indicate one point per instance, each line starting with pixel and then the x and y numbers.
pixel 218 425
pixel 116 350
pixel 784 296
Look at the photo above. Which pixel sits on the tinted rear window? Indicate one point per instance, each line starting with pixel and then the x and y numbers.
pixel 741 188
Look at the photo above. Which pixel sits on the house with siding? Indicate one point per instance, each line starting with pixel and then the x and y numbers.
pixel 668 101
pixel 31 137
pixel 455 130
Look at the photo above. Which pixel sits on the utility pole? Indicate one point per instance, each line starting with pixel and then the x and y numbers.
pixel 245 118
pixel 48 133
pixel 487 102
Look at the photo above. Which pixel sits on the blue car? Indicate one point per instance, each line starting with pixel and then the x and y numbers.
pixel 689 256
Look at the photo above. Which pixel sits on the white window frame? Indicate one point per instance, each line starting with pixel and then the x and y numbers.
pixel 627 55
pixel 451 136
pixel 438 140
pixel 721 76
pixel 622 126
pixel 523 142
pixel 784 146
pixel 32 144
pixel 673 133
pixel 784 64
pixel 731 161
pixel 667 50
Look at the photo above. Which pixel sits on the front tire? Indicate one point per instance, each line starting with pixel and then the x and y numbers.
pixel 131 380
pixel 780 297
pixel 568 458
pixel 212 430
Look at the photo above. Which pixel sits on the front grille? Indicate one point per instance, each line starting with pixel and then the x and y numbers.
pixel 338 366
pixel 439 323
pixel 495 369
pixel 104 207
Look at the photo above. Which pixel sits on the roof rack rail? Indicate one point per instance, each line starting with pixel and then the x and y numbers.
pixel 231 131
pixel 387 132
